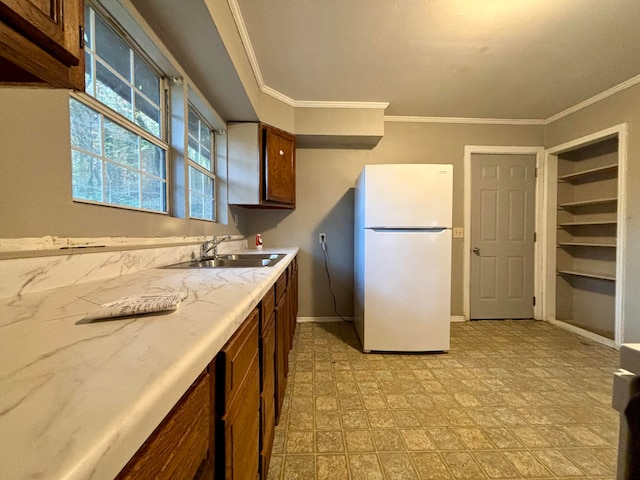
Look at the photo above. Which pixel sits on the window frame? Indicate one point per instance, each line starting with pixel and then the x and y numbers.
pixel 212 174
pixel 116 117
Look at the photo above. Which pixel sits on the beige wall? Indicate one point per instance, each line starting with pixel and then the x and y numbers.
pixel 619 108
pixel 325 180
pixel 35 190
pixel 35 179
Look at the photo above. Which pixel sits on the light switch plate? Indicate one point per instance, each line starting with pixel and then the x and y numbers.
pixel 458 232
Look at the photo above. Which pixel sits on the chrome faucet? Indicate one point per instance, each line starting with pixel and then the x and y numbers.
pixel 212 245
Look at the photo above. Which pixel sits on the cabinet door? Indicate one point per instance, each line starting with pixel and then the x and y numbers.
pixel 267 396
pixel 292 295
pixel 42 40
pixel 279 167
pixel 268 359
pixel 239 355
pixel 282 352
pixel 179 447
pixel 242 432
pixel 238 368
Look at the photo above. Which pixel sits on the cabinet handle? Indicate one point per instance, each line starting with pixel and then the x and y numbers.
pixel 281 152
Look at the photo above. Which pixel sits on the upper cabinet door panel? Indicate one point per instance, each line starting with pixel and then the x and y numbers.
pixel 51 24
pixel 279 167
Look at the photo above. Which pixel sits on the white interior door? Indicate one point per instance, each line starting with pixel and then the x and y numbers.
pixel 502 236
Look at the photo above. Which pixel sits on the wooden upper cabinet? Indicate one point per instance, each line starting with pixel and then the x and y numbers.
pixel 279 176
pixel 41 41
pixel 262 166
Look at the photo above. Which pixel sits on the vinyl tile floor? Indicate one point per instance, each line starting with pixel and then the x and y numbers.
pixel 510 400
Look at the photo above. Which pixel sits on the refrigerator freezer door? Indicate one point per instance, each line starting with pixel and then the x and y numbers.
pixel 407 290
pixel 407 196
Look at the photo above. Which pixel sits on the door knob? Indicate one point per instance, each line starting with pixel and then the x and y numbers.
pixel 476 250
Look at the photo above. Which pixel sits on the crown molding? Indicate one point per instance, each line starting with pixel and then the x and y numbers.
pixel 323 104
pixel 278 95
pixel 596 98
pixel 464 120
pixel 246 42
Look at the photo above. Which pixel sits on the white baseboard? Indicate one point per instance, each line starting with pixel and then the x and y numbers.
pixel 584 333
pixel 454 318
pixel 320 319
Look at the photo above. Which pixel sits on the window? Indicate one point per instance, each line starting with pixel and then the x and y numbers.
pixel 201 168
pixel 119 154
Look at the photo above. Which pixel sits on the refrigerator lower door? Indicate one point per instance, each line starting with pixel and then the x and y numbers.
pixel 407 290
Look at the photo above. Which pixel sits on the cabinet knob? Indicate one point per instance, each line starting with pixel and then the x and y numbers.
pixel 281 152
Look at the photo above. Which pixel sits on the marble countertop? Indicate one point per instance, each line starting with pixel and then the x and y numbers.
pixel 78 399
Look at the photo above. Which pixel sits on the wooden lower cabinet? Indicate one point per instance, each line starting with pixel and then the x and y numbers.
pixel 282 352
pixel 238 428
pixel 267 392
pixel 224 425
pixel 241 427
pixel 180 447
pixel 292 296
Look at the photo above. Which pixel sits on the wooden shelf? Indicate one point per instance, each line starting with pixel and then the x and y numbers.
pixel 599 276
pixel 585 244
pixel 586 203
pixel 587 224
pixel 596 173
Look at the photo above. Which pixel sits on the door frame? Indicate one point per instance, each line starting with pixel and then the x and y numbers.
pixel 539 255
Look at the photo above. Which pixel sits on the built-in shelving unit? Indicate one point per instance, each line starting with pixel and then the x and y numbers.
pixel 588 203
pixel 597 173
pixel 587 198
pixel 586 224
pixel 611 278
pixel 586 244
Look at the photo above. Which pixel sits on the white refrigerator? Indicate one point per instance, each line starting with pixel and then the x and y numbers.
pixel 402 257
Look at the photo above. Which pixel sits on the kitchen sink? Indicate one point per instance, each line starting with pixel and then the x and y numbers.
pixel 249 256
pixel 235 260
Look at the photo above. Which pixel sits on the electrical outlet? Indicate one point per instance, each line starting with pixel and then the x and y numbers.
pixel 458 232
pixel 322 237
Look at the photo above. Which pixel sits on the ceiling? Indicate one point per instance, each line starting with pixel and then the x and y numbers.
pixel 503 59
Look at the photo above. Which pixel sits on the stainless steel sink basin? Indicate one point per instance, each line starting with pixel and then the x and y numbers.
pixel 250 256
pixel 236 260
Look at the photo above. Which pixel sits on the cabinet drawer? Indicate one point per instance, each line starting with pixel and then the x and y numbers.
pixel 281 285
pixel 268 304
pixel 240 353
pixel 180 444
